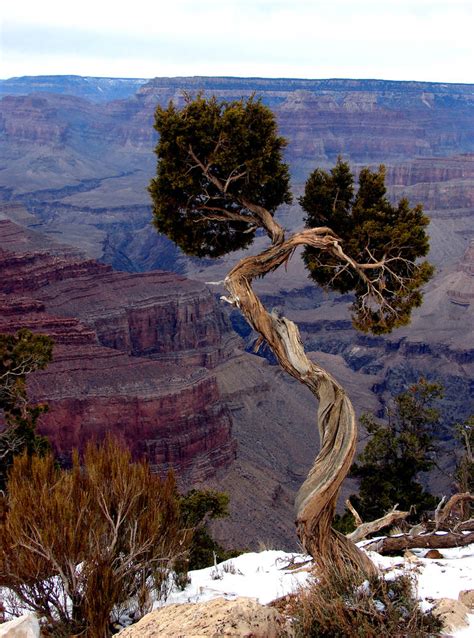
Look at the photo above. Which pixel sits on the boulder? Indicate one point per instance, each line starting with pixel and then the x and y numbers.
pixel 26 626
pixel 452 612
pixel 466 597
pixel 233 618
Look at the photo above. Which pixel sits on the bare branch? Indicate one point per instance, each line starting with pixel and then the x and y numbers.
pixel 444 511
pixel 223 215
pixel 354 512
pixel 364 529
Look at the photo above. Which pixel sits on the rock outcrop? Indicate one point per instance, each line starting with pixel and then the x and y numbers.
pixel 215 618
pixel 452 613
pixel 26 626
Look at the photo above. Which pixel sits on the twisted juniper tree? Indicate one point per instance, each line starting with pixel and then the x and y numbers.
pixel 220 180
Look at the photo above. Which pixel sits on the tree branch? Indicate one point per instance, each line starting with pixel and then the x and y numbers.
pixel 364 529
pixel 443 511
pixel 262 216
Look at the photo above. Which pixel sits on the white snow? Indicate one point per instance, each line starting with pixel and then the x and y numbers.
pixel 264 576
pixel 268 575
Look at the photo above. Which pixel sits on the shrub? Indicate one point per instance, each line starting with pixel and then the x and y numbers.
pixel 397 452
pixel 339 606
pixel 197 508
pixel 20 354
pixel 75 544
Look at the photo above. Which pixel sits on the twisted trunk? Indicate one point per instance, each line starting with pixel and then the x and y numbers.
pixel 316 499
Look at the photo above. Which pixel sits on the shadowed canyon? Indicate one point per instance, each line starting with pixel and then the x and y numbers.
pixel 145 348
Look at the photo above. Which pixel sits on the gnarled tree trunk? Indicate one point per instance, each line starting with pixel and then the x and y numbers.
pixel 316 499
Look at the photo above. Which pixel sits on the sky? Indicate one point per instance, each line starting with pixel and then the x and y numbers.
pixel 425 40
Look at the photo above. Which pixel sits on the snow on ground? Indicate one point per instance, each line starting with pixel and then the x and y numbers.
pixel 264 576
pixel 271 574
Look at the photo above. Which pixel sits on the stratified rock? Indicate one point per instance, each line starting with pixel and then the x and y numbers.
pixel 92 88
pixel 129 356
pixel 233 618
pixel 461 283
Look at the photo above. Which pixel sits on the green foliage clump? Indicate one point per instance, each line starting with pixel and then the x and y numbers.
pixel 338 605
pixel 237 145
pixel 371 230
pixel 20 354
pixel 197 507
pixel 396 452
pixel 220 177
pixel 77 544
pixel 464 474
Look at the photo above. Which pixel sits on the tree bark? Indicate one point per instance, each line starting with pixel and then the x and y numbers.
pixel 316 499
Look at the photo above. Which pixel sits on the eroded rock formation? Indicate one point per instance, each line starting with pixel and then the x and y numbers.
pixel 128 357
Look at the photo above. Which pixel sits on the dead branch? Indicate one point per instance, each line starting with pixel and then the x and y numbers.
pixel 465 526
pixel 364 529
pixel 437 513
pixel 432 541
pixel 445 511
pixel 354 512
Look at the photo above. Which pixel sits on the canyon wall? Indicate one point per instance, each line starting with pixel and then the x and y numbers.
pixel 76 168
pixel 132 354
pixel 81 167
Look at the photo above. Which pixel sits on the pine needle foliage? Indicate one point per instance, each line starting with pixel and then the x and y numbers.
pixel 237 142
pixel 397 452
pixel 198 508
pixel 75 544
pixel 20 354
pixel 371 230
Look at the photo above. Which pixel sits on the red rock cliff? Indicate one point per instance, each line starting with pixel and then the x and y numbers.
pixel 128 357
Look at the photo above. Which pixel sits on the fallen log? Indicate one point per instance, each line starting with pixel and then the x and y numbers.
pixel 432 541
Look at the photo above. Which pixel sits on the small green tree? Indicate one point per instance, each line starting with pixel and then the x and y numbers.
pixel 464 475
pixel 197 508
pixel 76 544
pixel 20 354
pixel 396 452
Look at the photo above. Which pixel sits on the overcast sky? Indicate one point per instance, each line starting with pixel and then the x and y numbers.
pixel 428 40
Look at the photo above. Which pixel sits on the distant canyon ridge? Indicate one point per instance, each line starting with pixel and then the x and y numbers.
pixel 156 354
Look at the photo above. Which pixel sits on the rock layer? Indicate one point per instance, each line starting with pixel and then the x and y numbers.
pixel 128 356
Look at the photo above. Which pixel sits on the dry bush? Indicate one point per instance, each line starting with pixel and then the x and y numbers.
pixel 77 544
pixel 339 606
